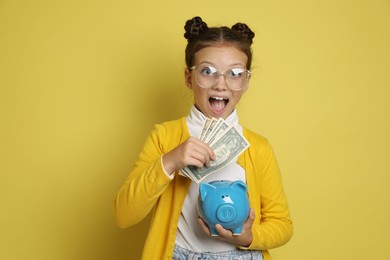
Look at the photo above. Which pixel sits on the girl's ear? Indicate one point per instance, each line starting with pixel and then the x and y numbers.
pixel 188 78
pixel 246 88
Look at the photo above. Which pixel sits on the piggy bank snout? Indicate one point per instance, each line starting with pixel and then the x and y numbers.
pixel 226 213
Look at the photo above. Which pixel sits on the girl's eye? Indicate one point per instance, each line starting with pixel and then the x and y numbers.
pixel 236 73
pixel 208 71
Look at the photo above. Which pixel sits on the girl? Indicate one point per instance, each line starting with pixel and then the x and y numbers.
pixel 218 63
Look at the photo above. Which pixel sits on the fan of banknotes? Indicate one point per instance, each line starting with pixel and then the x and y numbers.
pixel 227 143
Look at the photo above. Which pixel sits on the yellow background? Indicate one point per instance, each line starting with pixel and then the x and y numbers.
pixel 82 82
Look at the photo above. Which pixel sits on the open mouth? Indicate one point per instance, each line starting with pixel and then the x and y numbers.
pixel 218 104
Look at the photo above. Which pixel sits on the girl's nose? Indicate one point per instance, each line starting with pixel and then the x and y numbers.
pixel 221 82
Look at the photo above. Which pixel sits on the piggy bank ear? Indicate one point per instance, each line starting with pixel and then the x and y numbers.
pixel 239 185
pixel 204 189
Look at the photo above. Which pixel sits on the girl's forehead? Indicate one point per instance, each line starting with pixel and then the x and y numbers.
pixel 221 55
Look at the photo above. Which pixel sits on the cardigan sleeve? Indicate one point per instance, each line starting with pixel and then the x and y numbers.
pixel 272 226
pixel 144 184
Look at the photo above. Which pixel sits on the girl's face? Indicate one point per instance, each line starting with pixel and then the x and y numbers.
pixel 217 101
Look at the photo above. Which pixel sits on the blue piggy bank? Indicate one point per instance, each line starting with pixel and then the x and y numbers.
pixel 225 203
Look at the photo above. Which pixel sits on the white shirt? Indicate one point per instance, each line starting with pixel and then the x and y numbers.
pixel 189 233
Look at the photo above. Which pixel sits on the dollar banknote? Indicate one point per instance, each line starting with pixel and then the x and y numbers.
pixel 226 142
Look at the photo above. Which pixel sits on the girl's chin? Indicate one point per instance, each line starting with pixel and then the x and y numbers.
pixel 210 113
pixel 217 114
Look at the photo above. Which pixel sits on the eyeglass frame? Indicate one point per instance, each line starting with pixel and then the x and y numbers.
pixel 248 75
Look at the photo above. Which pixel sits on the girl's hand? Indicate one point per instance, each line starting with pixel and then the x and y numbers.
pixel 191 152
pixel 246 237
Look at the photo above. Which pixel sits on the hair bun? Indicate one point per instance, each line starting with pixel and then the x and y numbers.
pixel 244 30
pixel 194 27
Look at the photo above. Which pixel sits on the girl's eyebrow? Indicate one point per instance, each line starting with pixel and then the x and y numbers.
pixel 205 62
pixel 237 64
pixel 210 63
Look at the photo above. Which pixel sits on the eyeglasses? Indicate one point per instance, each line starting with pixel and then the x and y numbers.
pixel 207 77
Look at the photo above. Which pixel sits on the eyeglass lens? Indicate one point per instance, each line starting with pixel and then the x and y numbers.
pixel 207 77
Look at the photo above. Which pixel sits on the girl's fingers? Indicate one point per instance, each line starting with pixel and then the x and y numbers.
pixel 201 152
pixel 204 226
pixel 251 218
pixel 224 233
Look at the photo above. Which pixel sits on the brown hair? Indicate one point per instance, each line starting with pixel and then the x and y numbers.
pixel 200 36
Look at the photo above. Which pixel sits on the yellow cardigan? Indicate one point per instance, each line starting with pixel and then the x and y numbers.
pixel 147 188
